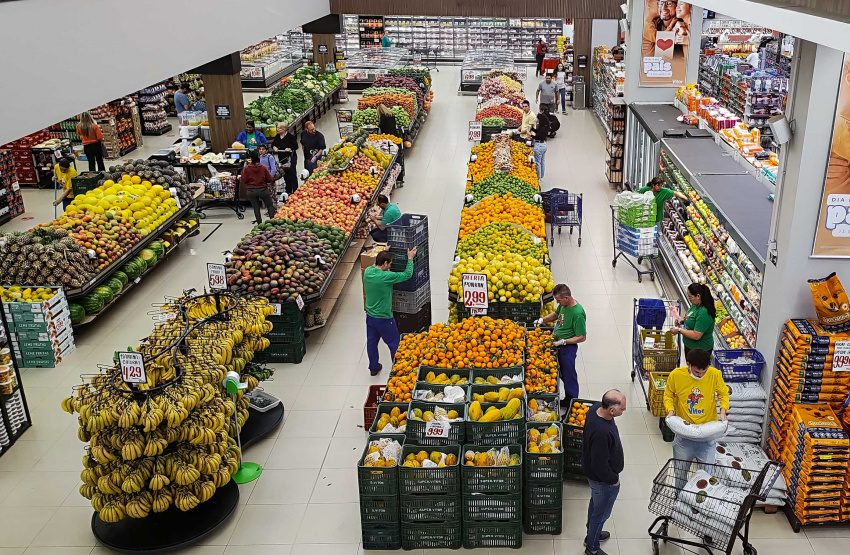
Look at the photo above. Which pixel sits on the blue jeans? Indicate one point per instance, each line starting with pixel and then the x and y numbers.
pixel 567 370
pixel 377 329
pixel 687 450
pixel 540 158
pixel 563 94
pixel 602 497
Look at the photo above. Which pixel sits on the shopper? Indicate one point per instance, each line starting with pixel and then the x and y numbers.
pixel 378 283
pixel 541 132
pixel 561 82
pixel 386 41
pixel 529 120
pixel 602 460
pixel 693 393
pixel 257 181
pixel 200 105
pixel 92 138
pixel 313 143
pixel 546 94
pixel 570 329
pixel 662 195
pixel 697 327
pixel 754 59
pixel 387 122
pixel 63 173
pixel 268 160
pixel 250 137
pixel 540 50
pixel 389 214
pixel 285 145
pixel 181 99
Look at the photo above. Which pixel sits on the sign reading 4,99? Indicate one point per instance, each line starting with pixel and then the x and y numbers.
pixel 217 276
pixel 475 291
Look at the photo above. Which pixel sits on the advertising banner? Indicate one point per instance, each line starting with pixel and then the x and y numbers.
pixel 664 52
pixel 832 238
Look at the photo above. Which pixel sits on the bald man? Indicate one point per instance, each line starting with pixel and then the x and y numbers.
pixel 602 460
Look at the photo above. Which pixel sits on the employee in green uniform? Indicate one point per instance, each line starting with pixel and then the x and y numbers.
pixel 697 327
pixel 570 329
pixel 389 214
pixel 662 195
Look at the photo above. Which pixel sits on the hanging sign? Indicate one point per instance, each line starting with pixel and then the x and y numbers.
pixel 841 357
pixel 475 291
pixel 664 50
pixel 475 131
pixel 132 367
pixel 216 276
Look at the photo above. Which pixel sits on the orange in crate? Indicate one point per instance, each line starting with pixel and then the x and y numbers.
pixel 578 413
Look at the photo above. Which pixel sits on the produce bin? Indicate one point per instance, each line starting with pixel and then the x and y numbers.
pixel 492 534
pixel 502 432
pixel 381 409
pixel 549 400
pixel 492 479
pixel 416 429
pixel 739 365
pixel 420 278
pixel 544 466
pixel 287 332
pixel 370 406
pixel 573 469
pixel 411 302
pixel 411 230
pixel 85 182
pixel 378 509
pixel 655 395
pixel 573 437
pixel 431 535
pixel 429 480
pixel 376 480
pixel 283 352
pixel 483 389
pixel 462 372
pixel 499 373
pixel 517 312
pixel 430 508
pixel 437 388
pixel 492 506
pixel 416 322
pixel 381 536
pixel 540 494
pixel 543 521
pixel 399 262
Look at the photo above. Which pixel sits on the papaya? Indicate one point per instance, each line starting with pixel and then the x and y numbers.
pixel 516 393
pixel 475 412
pixel 492 415
pixel 491 397
pixel 504 392
pixel 511 409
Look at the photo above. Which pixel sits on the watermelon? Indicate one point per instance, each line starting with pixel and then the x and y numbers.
pixel 77 313
pixel 115 285
pixel 92 303
pixel 133 269
pixel 148 257
pixel 104 293
pixel 122 277
pixel 158 248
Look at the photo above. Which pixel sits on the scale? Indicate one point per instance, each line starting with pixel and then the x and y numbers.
pixel 236 153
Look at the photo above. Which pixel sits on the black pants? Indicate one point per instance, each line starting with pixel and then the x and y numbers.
pixel 94 153
pixel 379 235
pixel 290 177
pixel 255 196
pixel 539 58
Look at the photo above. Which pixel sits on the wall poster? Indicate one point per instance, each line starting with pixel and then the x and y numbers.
pixel 832 237
pixel 664 51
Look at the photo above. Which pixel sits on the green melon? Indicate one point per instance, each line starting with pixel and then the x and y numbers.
pixel 104 293
pixel 158 248
pixel 115 285
pixel 122 277
pixel 92 303
pixel 77 313
pixel 133 269
pixel 148 257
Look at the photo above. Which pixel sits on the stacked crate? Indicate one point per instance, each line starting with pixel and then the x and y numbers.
pixel 11 201
pixel 22 155
pixel 574 440
pixel 543 478
pixel 412 298
pixel 379 500
pixel 287 335
pixel 40 332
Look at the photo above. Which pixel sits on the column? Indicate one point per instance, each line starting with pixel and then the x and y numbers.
pixel 225 106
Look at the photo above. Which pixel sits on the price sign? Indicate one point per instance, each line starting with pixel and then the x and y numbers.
pixel 437 429
pixel 475 131
pixel 841 357
pixel 276 308
pixel 469 75
pixel 216 276
pixel 132 367
pixel 475 291
pixel 299 302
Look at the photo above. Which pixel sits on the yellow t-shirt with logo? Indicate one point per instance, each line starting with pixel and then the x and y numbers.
pixel 695 400
pixel 64 178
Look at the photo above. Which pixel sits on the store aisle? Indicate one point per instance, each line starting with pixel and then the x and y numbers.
pixel 306 501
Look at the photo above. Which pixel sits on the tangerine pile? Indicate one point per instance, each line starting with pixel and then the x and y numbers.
pixel 578 413
pixel 502 208
pixel 541 368
pixel 483 166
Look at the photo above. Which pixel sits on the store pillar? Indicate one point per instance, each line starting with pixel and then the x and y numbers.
pixel 582 36
pixel 225 106
pixel 323 49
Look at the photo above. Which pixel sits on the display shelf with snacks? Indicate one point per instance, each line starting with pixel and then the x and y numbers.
pixel 14 412
pixel 607 91
pixel 119 132
pixel 11 201
pixel 721 238
pixel 153 108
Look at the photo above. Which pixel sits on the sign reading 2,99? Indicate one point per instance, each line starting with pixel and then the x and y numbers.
pixel 475 291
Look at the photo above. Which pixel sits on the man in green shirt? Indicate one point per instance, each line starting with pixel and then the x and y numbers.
pixel 390 213
pixel 662 195
pixel 570 329
pixel 378 283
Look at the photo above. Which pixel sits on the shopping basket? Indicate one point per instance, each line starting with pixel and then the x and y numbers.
pixel 739 365
pixel 712 502
pixel 565 210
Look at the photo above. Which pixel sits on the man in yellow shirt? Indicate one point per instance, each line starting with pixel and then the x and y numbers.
pixel 692 393
pixel 64 172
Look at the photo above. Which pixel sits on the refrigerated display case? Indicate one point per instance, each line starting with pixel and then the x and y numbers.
pixel 365 65
pixel 265 71
pixel 477 63
pixel 646 125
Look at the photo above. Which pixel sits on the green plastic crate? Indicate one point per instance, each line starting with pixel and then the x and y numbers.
pixel 492 534
pixel 381 536
pixel 492 479
pixel 416 429
pixel 286 332
pixel 544 466
pixel 543 495
pixel 440 480
pixel 502 432
pixel 283 352
pixel 482 389
pixel 573 469
pixel 376 480
pixel 492 506
pixel 431 535
pixel 379 509
pixel 509 371
pixel 462 372
pixel 543 521
pixel 430 508
pixel 436 388
pixel 384 408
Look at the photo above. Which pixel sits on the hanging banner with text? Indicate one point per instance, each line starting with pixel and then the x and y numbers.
pixel 832 236
pixel 664 50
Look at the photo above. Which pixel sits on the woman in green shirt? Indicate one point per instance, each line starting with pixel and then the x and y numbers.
pixel 697 327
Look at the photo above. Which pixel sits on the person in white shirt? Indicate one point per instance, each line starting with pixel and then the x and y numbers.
pixel 561 81
pixel 754 59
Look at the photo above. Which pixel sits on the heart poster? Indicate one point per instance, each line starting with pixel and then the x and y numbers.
pixel 664 52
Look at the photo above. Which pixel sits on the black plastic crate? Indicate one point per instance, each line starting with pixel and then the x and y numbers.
pixel 411 230
pixel 289 312
pixel 290 331
pixel 498 373
pixel 376 480
pixel 517 312
pixel 421 277
pixel 543 495
pixel 543 521
pixel 502 432
pixel 549 400
pixel 381 536
pixel 414 323
pixel 416 429
pixel 379 509
pixel 573 469
pixel 574 433
pixel 386 408
pixel 437 388
pixel 492 534
pixel 462 372
pixel 430 508
pixel 283 352
pixel 399 262
pixel 492 506
pixel 411 302
pixel 440 480
pixel 544 466
pixel 85 182
pixel 492 479
pixel 431 535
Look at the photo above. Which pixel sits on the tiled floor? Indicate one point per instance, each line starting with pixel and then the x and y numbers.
pixel 305 503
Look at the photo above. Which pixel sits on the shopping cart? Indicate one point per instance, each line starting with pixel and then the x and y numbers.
pixel 712 502
pixel 638 242
pixel 564 210
pixel 654 347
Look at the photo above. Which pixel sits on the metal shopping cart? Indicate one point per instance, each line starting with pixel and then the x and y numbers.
pixel 712 502
pixel 638 242
pixel 565 210
pixel 654 347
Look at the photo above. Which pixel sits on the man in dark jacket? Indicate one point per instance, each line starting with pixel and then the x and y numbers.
pixel 602 460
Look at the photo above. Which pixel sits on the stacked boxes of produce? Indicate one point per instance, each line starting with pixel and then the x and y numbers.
pixel 574 438
pixel 287 336
pixel 153 106
pixel 39 324
pixel 412 298
pixel 22 156
pixel 803 374
pixel 11 200
pixel 378 485
pixel 816 458
pixel 544 469
pixel 429 484
pixel 405 92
